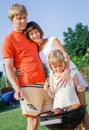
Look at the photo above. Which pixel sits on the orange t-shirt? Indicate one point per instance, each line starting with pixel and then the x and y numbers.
pixel 26 57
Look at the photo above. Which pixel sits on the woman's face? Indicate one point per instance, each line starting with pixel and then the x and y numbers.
pixel 34 35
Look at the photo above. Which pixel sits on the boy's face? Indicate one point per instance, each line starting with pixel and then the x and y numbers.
pixel 19 22
pixel 59 67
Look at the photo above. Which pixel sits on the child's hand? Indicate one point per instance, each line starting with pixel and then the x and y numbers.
pixel 80 88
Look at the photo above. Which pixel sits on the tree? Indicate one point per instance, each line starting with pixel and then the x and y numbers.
pixel 77 40
pixel 3 81
pixel 1 74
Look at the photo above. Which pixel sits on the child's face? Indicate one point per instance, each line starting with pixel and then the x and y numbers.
pixel 34 35
pixel 19 22
pixel 59 67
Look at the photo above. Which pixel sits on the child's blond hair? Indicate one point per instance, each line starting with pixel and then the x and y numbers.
pixel 55 57
pixel 16 9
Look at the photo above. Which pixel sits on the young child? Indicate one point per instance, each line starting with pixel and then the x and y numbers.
pixel 73 93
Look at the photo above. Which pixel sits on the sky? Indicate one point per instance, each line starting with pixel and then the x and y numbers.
pixel 54 16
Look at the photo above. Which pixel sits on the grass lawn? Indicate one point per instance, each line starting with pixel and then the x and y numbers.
pixel 87 99
pixel 12 120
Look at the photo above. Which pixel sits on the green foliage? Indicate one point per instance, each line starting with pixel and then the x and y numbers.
pixel 3 83
pixel 46 71
pixel 83 64
pixel 2 105
pixel 87 99
pixel 77 46
pixel 1 73
pixel 77 40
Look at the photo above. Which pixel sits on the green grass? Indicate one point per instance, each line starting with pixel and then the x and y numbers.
pixel 87 99
pixel 12 119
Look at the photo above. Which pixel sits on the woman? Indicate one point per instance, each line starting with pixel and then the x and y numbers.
pixel 45 45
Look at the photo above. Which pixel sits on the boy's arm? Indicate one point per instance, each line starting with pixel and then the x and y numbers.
pixel 12 77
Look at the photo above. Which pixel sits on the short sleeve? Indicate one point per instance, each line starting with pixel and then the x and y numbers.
pixel 72 73
pixel 7 49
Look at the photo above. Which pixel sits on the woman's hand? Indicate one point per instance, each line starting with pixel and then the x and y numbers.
pixel 18 72
pixel 63 78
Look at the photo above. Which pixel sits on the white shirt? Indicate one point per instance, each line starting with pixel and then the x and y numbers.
pixel 44 56
pixel 65 96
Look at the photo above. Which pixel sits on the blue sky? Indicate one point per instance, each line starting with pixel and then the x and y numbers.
pixel 54 16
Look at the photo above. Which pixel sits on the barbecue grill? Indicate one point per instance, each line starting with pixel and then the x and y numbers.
pixel 66 120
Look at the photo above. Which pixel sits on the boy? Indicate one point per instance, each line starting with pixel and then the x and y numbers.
pixel 19 52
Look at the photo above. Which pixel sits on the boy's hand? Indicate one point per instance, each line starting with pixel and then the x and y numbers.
pixel 46 85
pixel 18 95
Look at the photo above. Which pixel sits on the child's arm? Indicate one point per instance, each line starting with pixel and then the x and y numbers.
pixel 80 90
pixel 49 88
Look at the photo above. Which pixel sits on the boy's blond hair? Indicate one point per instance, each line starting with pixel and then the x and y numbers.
pixel 16 9
pixel 55 57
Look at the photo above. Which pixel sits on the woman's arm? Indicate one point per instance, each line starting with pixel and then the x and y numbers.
pixel 80 90
pixel 64 77
pixel 58 45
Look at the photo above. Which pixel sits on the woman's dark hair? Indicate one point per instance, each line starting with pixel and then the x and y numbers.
pixel 31 26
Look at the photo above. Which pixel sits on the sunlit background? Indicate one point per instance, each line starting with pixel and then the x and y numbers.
pixel 54 16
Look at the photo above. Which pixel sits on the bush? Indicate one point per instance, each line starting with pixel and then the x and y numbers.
pixel 2 105
pixel 83 65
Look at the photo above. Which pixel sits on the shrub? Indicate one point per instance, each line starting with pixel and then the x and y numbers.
pixel 2 105
pixel 83 65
